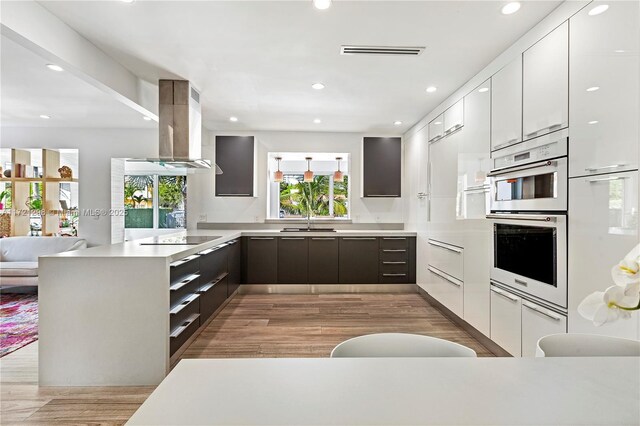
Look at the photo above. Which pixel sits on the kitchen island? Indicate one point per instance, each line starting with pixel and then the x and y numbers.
pixel 397 391
pixel 121 314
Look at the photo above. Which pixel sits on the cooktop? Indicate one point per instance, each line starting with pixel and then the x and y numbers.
pixel 179 241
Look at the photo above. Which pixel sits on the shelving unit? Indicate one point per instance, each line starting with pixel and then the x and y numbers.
pixel 47 185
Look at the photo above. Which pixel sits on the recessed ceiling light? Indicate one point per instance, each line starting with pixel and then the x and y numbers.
pixel 510 8
pixel 397 123
pixel 145 118
pixel 54 67
pixel 593 88
pixel 44 116
pixel 322 4
pixel 127 1
pixel 318 86
pixel 619 51
pixel 431 89
pixel 317 121
pixel 483 89
pixel 598 10
pixel 438 122
pixel 593 122
pixel 234 119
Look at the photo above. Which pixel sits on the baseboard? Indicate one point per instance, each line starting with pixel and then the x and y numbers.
pixel 484 340
pixel 326 288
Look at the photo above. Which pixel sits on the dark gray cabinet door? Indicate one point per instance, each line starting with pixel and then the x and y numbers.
pixel 359 260
pixel 234 155
pixel 262 260
pixel 382 167
pixel 324 260
pixel 213 264
pixel 293 260
pixel 235 267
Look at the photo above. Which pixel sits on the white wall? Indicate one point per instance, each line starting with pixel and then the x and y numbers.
pixel 96 148
pixel 201 198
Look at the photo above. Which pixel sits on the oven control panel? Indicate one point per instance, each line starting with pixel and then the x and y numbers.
pixel 539 149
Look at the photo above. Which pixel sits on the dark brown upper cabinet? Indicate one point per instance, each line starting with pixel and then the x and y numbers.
pixel 382 167
pixel 235 156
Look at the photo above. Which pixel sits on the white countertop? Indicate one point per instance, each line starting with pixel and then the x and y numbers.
pixel 396 391
pixel 175 252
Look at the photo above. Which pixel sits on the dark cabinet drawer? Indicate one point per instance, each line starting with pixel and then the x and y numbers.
pixel 234 266
pixel 212 296
pixel 394 255
pixel 181 333
pixel 183 267
pixel 262 260
pixel 179 290
pixel 394 243
pixel 359 260
pixel 213 263
pixel 323 260
pixel 399 266
pixel 293 260
pixel 184 309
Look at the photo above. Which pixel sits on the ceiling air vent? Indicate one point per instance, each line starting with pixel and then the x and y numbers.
pixel 380 50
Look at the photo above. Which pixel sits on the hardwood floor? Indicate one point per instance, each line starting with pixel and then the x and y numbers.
pixel 249 326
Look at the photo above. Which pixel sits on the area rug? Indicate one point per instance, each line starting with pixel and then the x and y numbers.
pixel 18 321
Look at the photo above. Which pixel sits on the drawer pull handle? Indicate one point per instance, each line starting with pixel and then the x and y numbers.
pixel 394 238
pixel 323 238
pixel 607 179
pixel 394 263
pixel 550 128
pixel 505 295
pixel 233 195
pixel 445 246
pixel 394 275
pixel 184 304
pixel 262 238
pixel 183 261
pixel 211 284
pixel 444 276
pixel 394 251
pixel 540 311
pixel 520 282
pixel 180 284
pixel 359 239
pixel 382 195
pixel 612 166
pixel 182 327
pixel 506 144
pixel 292 238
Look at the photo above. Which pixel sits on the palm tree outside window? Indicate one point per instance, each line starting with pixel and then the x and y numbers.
pixel 322 198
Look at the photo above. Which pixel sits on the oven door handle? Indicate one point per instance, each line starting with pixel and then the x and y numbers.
pixel 533 217
pixel 505 170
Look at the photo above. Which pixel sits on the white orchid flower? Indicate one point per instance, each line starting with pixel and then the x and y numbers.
pixel 616 302
pixel 628 270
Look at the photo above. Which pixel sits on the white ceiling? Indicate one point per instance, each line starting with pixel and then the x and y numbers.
pixel 257 59
pixel 30 89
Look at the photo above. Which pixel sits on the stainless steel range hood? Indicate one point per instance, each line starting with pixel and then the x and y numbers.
pixel 180 127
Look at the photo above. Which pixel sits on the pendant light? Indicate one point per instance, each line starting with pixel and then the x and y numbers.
pixel 337 175
pixel 278 175
pixel 308 175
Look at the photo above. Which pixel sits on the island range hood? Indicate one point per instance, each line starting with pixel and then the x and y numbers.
pixel 180 127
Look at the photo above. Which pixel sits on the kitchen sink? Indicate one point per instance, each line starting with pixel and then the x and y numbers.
pixel 308 230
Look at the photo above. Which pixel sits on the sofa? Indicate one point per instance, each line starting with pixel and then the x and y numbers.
pixel 19 256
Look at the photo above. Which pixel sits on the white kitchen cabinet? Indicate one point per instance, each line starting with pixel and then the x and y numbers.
pixel 474 159
pixel 539 321
pixel 454 117
pixel 545 84
pixel 447 258
pixel 506 105
pixel 436 128
pixel 444 202
pixel 478 236
pixel 506 320
pixel 446 290
pixel 603 228
pixel 604 96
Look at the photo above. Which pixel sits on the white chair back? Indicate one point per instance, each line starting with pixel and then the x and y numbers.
pixel 399 345
pixel 585 345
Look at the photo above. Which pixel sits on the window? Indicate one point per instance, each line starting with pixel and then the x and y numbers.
pixel 155 201
pixel 323 197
